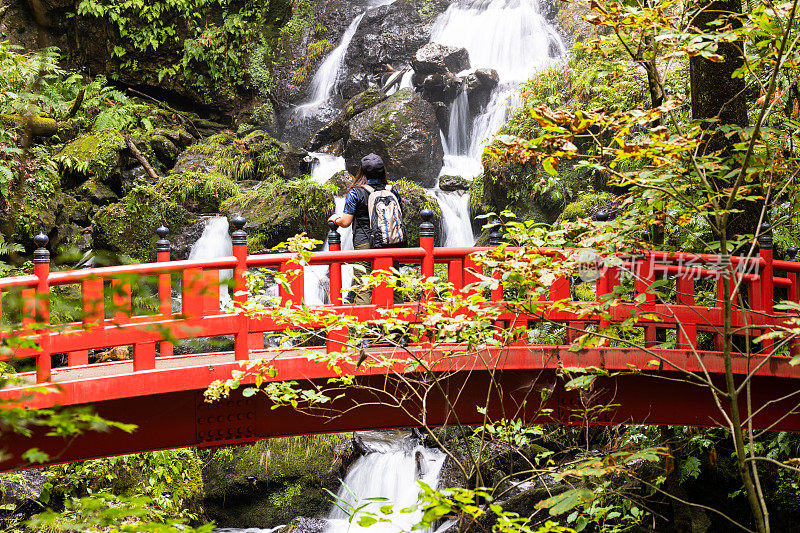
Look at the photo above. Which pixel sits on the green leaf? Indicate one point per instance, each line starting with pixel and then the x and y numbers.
pixel 366 521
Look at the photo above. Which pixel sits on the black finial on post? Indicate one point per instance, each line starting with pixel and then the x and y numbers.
pixel 162 244
pixel 333 233
pixel 791 253
pixel 765 236
pixel 238 235
pixel 495 237
pixel 601 215
pixel 426 229
pixel 41 254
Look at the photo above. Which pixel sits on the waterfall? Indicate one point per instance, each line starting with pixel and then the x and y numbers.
pixel 327 76
pixel 215 242
pixel 455 217
pixel 391 471
pixel 325 166
pixel 510 36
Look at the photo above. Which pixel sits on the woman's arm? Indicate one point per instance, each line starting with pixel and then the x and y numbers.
pixel 342 221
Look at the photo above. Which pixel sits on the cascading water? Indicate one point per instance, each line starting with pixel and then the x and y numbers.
pixel 391 471
pixel 215 242
pixel 455 217
pixel 325 166
pixel 510 36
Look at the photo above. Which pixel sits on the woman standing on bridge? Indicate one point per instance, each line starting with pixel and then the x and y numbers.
pixel 369 181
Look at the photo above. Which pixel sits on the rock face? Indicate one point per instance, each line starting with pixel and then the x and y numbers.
pixel 434 67
pixel 403 130
pixel 434 58
pixel 480 85
pixel 387 36
pixel 338 128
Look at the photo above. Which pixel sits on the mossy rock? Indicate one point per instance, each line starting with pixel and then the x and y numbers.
pixel 96 192
pixel 341 181
pixel 414 201
pixel 257 156
pixel 273 481
pixel 361 102
pixel 584 206
pixel 281 209
pixel 403 130
pixel 93 155
pixel 128 227
pixel 198 191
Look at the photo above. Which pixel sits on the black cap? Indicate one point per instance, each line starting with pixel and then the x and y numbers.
pixel 372 165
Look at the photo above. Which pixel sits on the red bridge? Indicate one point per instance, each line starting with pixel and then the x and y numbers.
pixel 162 393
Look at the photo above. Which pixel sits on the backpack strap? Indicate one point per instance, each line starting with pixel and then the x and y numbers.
pixel 370 200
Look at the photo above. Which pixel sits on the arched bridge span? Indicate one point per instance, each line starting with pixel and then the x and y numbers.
pixel 162 393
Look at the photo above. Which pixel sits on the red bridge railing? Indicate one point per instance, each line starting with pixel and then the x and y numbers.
pixel 109 319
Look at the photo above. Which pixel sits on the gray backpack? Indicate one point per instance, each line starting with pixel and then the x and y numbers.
pixel 387 229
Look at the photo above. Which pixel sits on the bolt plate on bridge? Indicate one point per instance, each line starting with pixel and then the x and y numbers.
pixel 225 420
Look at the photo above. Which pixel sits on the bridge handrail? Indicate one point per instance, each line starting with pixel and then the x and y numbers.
pixel 201 308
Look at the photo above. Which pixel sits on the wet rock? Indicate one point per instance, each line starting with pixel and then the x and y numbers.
pixel 330 133
pixel 181 242
pixel 404 131
pixel 442 116
pixel 434 58
pixel 338 128
pixel 354 84
pixel 96 192
pixel 388 36
pixel 480 85
pixel 439 87
pixel 134 177
pixel 341 181
pixel 165 149
pixel 454 183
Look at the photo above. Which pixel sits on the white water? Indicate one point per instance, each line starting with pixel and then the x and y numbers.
pixel 316 277
pixel 455 217
pixel 390 472
pixel 325 166
pixel 215 242
pixel 510 36
pixel 327 76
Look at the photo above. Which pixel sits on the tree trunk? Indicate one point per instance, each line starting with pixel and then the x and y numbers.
pixel 717 95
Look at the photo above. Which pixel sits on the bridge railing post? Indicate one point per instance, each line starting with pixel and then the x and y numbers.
pixel 765 280
pixel 496 239
pixel 336 338
pixel 164 285
pixel 426 240
pixel 241 348
pixel 41 269
pixel 794 295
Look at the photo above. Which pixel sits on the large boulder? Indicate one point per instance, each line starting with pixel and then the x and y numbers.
pixel 480 85
pixel 281 209
pixel 128 227
pixel 387 36
pixel 403 130
pixel 434 58
pixel 96 154
pixel 337 128
pixel 272 481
